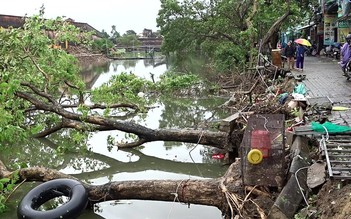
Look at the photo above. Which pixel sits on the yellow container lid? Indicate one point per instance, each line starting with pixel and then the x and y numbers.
pixel 255 156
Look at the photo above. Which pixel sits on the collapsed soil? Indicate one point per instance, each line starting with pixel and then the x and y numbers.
pixel 333 200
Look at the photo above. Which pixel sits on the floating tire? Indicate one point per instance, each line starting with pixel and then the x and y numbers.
pixel 74 190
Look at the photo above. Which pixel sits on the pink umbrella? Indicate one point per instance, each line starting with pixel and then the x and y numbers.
pixel 303 42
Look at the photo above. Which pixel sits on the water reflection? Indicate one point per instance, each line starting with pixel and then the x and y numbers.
pixel 142 68
pixel 154 160
pixel 190 112
pixel 92 165
pixel 91 73
pixel 154 209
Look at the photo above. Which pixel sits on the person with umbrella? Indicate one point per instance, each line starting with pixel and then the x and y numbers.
pixel 300 56
pixel 303 42
pixel 300 52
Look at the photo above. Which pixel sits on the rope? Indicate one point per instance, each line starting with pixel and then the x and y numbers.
pixel 175 197
pixel 201 134
pixel 298 184
pixel 323 140
pixel 176 192
pixel 265 122
pixel 295 174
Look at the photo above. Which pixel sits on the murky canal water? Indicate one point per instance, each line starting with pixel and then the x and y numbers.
pixel 155 160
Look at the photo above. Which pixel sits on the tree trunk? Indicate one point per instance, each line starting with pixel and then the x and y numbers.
pixel 275 27
pixel 212 192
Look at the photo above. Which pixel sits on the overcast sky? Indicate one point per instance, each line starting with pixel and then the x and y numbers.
pixel 102 14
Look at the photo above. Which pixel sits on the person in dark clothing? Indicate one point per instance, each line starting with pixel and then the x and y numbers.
pixel 289 52
pixel 300 56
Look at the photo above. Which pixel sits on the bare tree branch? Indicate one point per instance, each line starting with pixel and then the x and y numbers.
pixel 38 92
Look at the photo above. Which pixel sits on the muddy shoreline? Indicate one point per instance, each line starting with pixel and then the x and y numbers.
pixel 87 57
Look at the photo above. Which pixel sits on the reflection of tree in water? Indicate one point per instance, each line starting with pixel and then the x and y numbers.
pixel 90 165
pixel 170 144
pixel 97 69
pixel 206 151
pixel 44 152
pixel 31 154
pixel 190 113
pixel 125 63
pixel 129 64
pixel 90 75
pixel 149 62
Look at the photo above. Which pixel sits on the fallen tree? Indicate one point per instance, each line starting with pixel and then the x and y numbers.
pixel 225 193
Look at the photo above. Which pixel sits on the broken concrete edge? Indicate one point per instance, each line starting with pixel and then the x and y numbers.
pixel 288 201
pixel 227 123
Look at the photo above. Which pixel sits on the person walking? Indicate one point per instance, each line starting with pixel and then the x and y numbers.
pixel 345 53
pixel 289 52
pixel 300 56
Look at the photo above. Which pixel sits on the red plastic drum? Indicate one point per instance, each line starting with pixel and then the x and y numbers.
pixel 261 140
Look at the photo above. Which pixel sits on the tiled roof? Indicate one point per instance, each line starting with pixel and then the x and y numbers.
pixel 7 21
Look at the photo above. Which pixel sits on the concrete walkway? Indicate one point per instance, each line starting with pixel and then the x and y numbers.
pixel 324 78
pixel 324 81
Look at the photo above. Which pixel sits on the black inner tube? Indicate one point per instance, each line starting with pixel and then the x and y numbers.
pixel 74 190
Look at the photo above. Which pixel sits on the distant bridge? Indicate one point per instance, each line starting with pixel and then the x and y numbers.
pixel 149 44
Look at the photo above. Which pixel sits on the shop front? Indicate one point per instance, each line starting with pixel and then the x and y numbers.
pixel 344 19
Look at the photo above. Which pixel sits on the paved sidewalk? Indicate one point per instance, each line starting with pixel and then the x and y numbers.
pixel 324 81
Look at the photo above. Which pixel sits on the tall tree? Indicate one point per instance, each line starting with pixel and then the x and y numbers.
pixel 225 30
pixel 129 40
pixel 130 32
pixel 114 34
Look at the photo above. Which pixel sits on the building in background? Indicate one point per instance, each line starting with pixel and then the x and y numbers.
pixel 7 21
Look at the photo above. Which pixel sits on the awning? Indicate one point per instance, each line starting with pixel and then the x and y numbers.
pixel 345 7
pixel 304 27
pixel 331 7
